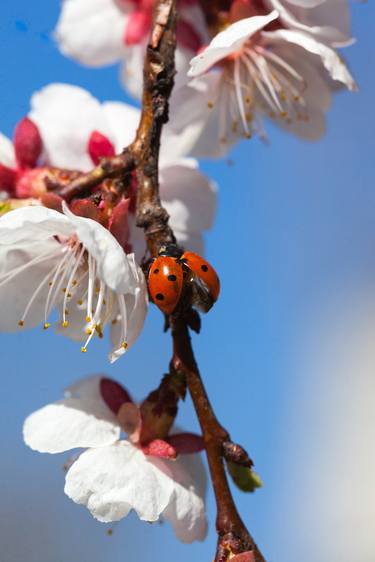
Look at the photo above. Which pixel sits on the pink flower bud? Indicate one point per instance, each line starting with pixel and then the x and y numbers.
pixel 187 36
pixel 99 146
pixel 27 143
pixel 160 448
pixel 7 179
pixel 113 394
pixel 137 27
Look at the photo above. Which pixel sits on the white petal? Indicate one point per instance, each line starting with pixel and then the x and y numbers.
pixel 91 31
pixel 123 120
pixel 195 125
pixel 186 509
pixel 307 3
pixel 328 21
pixel 188 196
pixel 132 69
pixel 229 41
pixel 330 59
pixel 110 481
pixel 112 263
pixel 69 424
pixel 7 152
pixel 66 116
pixel 32 224
pixel 16 292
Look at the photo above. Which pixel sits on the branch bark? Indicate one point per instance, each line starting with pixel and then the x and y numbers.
pixel 233 537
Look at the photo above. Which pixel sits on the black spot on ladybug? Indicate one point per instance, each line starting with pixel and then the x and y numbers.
pixel 156 271
pixel 159 297
pixel 204 268
pixel 172 278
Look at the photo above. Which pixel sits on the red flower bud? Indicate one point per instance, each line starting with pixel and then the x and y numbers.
pixel 86 208
pixel 27 143
pixel 138 25
pixel 113 394
pixel 99 146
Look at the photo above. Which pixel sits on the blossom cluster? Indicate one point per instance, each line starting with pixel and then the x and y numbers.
pixel 79 261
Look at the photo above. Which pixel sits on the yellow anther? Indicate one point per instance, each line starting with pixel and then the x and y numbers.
pixel 83 349
pixel 66 312
pixel 46 325
pixel 296 98
pixel 64 290
pixel 249 116
pixel 124 345
pixel 248 136
pixel 69 295
pixel 65 324
pixel 50 283
pixel 21 323
pixel 248 99
pixel 99 330
pixel 74 283
pixel 283 114
pixel 88 318
pixel 210 105
pixel 114 321
pixel 88 331
pixel 80 302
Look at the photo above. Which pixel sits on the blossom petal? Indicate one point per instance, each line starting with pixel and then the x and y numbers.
pixel 7 156
pixel 91 31
pixel 66 116
pixel 186 510
pixel 69 424
pixel 229 41
pixel 32 224
pixel 188 196
pixel 123 119
pixel 330 59
pixel 110 481
pixel 327 21
pixel 112 263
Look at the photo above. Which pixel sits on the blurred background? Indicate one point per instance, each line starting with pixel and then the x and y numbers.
pixel 287 354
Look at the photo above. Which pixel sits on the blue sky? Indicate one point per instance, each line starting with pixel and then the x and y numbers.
pixel 294 246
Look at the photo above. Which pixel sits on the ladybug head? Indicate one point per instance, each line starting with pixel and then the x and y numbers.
pixel 171 250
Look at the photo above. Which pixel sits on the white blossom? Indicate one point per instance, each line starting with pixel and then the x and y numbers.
pixel 113 476
pixel 102 32
pixel 251 70
pixel 52 260
pixel 68 115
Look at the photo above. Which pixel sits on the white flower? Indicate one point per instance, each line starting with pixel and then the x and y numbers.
pixel 114 476
pixel 52 260
pixel 101 32
pixel 67 117
pixel 250 70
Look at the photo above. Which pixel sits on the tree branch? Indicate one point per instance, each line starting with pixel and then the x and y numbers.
pixel 233 538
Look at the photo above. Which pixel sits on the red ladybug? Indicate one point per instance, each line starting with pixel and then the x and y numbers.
pixel 174 269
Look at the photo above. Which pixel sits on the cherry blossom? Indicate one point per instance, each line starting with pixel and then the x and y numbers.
pixel 101 32
pixel 77 130
pixel 59 260
pixel 256 67
pixel 114 476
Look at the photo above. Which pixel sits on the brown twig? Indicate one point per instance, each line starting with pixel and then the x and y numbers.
pixel 233 535
pixel 108 168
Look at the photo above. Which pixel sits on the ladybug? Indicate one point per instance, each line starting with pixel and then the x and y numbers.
pixel 175 270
